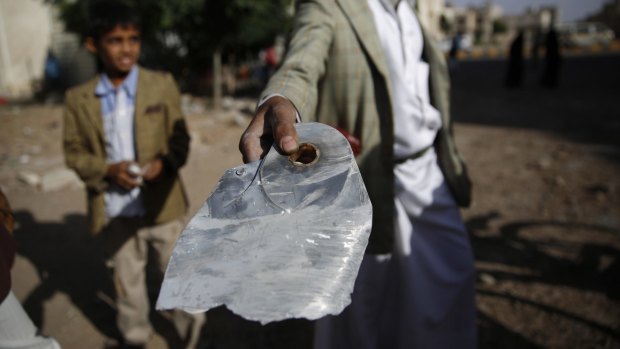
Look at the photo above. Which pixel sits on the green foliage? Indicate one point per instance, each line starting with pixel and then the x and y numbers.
pixel 444 24
pixel 499 27
pixel 181 35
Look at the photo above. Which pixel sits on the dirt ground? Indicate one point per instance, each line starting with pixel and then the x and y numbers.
pixel 545 222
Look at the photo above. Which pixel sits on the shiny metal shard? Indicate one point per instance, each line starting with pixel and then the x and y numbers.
pixel 278 238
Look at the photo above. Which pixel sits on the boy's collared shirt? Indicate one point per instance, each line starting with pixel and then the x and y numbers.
pixel 117 110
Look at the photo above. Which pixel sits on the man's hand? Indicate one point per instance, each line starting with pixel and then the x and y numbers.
pixel 274 122
pixel 119 174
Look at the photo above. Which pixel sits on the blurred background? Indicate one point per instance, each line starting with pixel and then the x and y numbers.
pixel 536 103
pixel 216 48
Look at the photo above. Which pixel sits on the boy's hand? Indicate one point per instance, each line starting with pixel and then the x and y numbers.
pixel 274 122
pixel 119 174
pixel 152 170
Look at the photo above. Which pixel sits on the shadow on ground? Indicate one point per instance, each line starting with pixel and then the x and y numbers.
pixel 513 247
pixel 68 260
pixel 229 331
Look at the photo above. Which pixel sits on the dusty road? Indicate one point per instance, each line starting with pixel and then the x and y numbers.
pixel 545 223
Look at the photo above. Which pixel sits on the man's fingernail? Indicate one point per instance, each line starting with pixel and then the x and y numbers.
pixel 287 143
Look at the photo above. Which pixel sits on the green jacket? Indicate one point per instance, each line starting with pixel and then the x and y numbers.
pixel 335 73
pixel 160 131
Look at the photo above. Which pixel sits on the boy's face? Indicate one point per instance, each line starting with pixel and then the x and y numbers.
pixel 118 49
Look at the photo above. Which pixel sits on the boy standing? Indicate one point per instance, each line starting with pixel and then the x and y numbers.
pixel 126 138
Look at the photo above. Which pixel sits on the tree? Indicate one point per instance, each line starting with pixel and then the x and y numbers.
pixel 499 27
pixel 445 25
pixel 185 36
pixel 234 27
pixel 609 14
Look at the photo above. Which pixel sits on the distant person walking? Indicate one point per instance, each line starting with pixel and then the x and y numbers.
pixel 514 69
pixel 553 60
pixel 52 83
pixel 455 48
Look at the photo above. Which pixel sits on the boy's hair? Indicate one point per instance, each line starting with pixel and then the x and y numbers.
pixel 105 15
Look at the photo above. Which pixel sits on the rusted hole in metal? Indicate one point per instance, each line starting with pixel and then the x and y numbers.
pixel 306 155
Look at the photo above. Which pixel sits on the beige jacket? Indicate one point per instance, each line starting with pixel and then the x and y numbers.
pixel 160 132
pixel 335 73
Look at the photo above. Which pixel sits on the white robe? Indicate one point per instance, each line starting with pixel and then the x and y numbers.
pixel 422 294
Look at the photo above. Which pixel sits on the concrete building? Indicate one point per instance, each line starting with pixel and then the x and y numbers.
pixel 534 22
pixel 459 19
pixel 482 24
pixel 430 13
pixel 487 15
pixel 543 18
pixel 30 31
pixel 475 23
pixel 25 35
